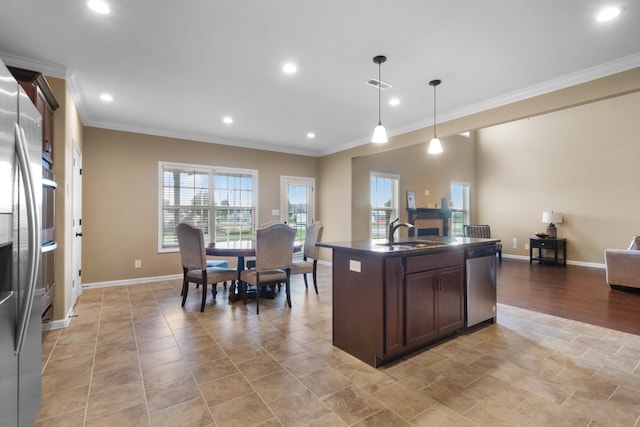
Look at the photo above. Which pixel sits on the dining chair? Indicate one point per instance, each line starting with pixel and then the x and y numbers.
pixel 251 262
pixel 274 255
pixel 310 251
pixel 194 263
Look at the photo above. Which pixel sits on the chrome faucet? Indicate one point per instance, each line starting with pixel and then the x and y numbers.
pixel 394 225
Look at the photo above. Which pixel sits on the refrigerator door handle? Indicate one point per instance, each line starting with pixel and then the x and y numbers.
pixel 34 233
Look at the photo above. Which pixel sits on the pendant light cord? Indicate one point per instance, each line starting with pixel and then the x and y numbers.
pixel 379 105
pixel 434 111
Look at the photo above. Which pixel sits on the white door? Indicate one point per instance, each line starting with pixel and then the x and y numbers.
pixel 297 203
pixel 76 230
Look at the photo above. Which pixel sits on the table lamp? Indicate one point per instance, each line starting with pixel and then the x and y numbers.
pixel 551 217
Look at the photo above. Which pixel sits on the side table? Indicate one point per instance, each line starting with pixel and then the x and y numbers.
pixel 550 244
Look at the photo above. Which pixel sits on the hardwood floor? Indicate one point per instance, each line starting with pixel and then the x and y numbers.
pixel 572 292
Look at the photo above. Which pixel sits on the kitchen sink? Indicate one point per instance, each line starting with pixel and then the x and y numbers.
pixel 413 244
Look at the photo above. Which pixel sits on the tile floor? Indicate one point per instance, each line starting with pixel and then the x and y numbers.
pixel 133 357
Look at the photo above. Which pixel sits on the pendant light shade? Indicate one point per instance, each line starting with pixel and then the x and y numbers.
pixel 379 133
pixel 435 147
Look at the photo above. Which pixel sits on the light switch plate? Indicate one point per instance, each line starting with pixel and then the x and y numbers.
pixel 354 266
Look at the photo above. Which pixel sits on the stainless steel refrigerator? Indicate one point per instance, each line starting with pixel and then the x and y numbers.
pixel 20 212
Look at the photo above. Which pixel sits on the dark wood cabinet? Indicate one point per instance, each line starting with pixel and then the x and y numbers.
pixel 435 300
pixel 386 307
pixel 421 296
pixel 38 90
pixel 394 306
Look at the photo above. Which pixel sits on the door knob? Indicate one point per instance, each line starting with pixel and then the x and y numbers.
pixel 78 234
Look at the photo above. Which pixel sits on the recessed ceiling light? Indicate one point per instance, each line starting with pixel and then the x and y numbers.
pixel 608 13
pixel 106 97
pixel 99 6
pixel 394 101
pixel 311 135
pixel 289 68
pixel 228 120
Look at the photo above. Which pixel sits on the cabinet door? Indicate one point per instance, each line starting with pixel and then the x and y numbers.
pixel 450 300
pixel 420 297
pixel 394 306
pixel 47 126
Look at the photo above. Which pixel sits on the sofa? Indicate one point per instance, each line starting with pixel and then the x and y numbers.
pixel 623 266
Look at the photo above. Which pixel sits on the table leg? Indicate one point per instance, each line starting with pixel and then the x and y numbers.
pixel 236 291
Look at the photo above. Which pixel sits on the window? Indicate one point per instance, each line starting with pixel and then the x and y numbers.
pixel 297 205
pixel 384 204
pixel 220 201
pixel 460 214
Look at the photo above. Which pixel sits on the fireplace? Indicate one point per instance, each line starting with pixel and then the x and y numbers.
pixel 429 222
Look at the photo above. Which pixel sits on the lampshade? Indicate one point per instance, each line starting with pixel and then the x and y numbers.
pixel 435 147
pixel 379 134
pixel 552 217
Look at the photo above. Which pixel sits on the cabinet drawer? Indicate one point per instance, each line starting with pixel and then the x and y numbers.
pixel 430 262
pixel 543 244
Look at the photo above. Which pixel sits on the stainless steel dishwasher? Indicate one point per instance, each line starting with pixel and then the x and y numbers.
pixel 481 284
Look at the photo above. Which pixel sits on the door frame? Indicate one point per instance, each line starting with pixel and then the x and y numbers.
pixel 76 225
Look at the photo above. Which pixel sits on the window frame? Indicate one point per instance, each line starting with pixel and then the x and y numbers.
pixel 466 205
pixel 394 210
pixel 211 172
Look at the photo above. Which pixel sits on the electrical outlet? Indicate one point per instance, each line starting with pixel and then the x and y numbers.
pixel 526 246
pixel 138 263
pixel 515 243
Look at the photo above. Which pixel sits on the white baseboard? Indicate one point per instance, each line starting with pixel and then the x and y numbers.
pixel 59 324
pixel 126 282
pixel 569 262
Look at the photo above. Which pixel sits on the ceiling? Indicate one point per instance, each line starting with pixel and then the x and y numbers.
pixel 177 68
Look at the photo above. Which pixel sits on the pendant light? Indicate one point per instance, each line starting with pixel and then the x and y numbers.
pixel 379 133
pixel 435 147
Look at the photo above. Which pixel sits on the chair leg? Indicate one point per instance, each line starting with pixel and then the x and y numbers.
pixel 204 291
pixel 185 290
pixel 257 293
pixel 185 287
pixel 287 288
pixel 315 275
pixel 305 280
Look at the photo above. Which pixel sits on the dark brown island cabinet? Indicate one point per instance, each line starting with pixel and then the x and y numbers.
pixel 389 303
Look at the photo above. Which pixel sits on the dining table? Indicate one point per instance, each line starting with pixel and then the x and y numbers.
pixel 239 250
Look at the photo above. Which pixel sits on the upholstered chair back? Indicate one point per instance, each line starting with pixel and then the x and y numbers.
pixel 314 234
pixel 192 250
pixel 274 247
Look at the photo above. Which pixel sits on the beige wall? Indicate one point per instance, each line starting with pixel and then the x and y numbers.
pixel 338 187
pixel 67 129
pixel 120 177
pixel 582 162
pixel 120 196
pixel 418 171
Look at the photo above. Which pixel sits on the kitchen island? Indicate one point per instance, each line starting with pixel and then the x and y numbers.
pixel 390 300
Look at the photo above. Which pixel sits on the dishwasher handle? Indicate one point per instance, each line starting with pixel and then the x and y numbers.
pixel 481 251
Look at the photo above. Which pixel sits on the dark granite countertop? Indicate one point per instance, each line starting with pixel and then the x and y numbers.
pixel 432 244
